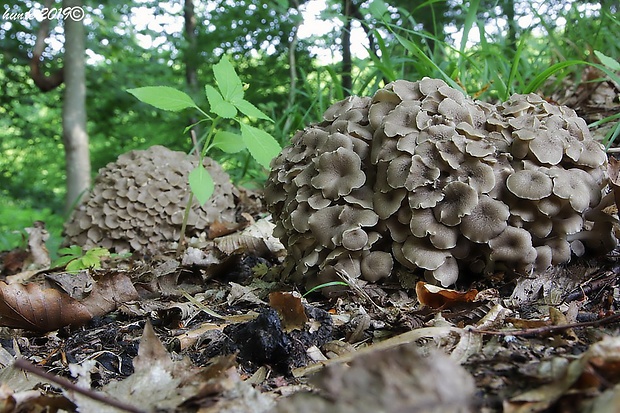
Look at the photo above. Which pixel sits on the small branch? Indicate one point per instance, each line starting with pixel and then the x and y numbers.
pixel 43 82
pixel 63 382
pixel 552 329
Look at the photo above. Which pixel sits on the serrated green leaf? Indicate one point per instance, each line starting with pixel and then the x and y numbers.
pixel 607 61
pixel 262 146
pixel 75 265
pixel 73 250
pixel 218 105
pixel 201 184
pixel 228 142
pixel 164 97
pixel 249 109
pixel 227 80
pixel 90 261
pixel 62 261
pixel 98 252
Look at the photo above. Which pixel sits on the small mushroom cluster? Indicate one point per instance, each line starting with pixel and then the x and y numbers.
pixel 422 176
pixel 138 202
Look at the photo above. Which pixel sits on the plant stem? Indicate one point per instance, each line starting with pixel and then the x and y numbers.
pixel 201 154
pixel 209 138
pixel 184 225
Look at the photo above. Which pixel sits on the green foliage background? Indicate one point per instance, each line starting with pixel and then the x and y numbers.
pixel 410 41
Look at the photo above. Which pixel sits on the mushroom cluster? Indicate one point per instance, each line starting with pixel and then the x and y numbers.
pixel 138 202
pixel 424 177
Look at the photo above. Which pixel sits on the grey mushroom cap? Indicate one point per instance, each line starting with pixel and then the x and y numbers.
pixel 530 184
pixel 137 202
pixel 376 265
pixel 422 177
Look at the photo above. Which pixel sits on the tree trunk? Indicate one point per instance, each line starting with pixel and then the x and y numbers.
pixel 347 65
pixel 74 135
pixel 511 38
pixel 191 72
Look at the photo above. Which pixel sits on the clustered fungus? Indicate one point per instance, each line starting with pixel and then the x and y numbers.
pixel 138 202
pixel 424 177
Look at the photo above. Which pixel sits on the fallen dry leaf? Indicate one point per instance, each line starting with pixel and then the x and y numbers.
pixel 37 235
pixel 441 298
pixel 13 261
pixel 395 380
pixel 613 168
pixel 290 309
pixel 32 307
pixel 160 383
pixel 594 371
pixel 35 307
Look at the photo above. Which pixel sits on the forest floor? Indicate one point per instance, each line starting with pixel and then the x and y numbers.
pixel 213 330
pixel 188 337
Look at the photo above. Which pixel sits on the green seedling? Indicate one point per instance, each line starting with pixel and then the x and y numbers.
pixel 226 102
pixel 75 259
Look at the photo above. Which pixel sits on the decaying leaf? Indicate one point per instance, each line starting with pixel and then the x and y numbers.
pixel 613 168
pixel 256 238
pixel 290 309
pixel 37 235
pixel 441 298
pixel 395 380
pixel 160 383
pixel 595 370
pixel 34 307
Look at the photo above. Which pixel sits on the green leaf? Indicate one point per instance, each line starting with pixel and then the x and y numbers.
pixel 201 184
pixel 228 142
pixel 164 97
pixel 607 61
pixel 419 53
pixel 75 265
pixel 379 10
pixel 227 80
pixel 62 261
pixel 249 109
pixel 325 285
pixel 90 261
pixel 262 146
pixel 98 252
pixel 218 105
pixel 548 72
pixel 73 250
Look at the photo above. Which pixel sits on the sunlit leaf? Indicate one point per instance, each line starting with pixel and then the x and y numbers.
pixel 249 109
pixel 228 142
pixel 201 184
pixel 98 252
pixel 76 265
pixel 218 105
pixel 606 61
pixel 91 261
pixel 262 146
pixel 227 80
pixel 163 97
pixel 378 9
pixel 62 261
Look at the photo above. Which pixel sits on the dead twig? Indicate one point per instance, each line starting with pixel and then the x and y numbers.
pixel 63 382
pixel 551 329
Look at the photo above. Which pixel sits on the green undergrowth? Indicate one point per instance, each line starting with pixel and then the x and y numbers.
pixel 16 215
